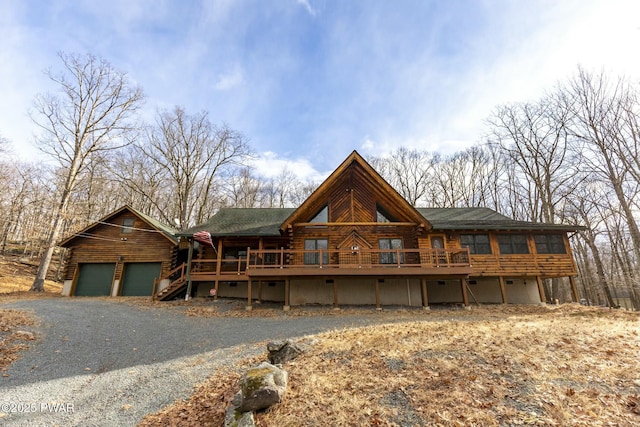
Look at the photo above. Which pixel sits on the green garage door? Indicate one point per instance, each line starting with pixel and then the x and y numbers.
pixel 138 278
pixel 95 280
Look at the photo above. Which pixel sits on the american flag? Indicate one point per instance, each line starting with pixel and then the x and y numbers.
pixel 203 237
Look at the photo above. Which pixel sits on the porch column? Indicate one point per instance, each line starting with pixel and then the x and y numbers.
pixel 574 289
pixel 249 285
pixel 378 294
pixel 503 291
pixel 541 290
pixel 465 298
pixel 218 268
pixel 287 287
pixel 187 297
pixel 423 291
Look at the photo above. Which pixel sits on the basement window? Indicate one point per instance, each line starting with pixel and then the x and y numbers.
pixel 441 282
pixel 473 282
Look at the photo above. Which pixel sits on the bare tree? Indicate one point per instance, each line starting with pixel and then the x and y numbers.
pixel 535 138
pixel 605 124
pixel 410 172
pixel 91 114
pixel 194 155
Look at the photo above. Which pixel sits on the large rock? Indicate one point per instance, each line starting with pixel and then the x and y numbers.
pixel 262 387
pixel 234 417
pixel 281 352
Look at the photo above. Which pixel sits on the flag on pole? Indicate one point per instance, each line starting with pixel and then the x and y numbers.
pixel 203 237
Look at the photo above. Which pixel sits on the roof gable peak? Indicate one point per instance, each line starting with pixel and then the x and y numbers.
pixel 352 168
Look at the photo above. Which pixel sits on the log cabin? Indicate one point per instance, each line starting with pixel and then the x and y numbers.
pixel 356 240
pixel 121 254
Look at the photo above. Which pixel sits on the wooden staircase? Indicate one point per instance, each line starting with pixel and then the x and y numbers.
pixel 178 283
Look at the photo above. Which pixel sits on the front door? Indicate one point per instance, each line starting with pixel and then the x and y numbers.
pixel 439 255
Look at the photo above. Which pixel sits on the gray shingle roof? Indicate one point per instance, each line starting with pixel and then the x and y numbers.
pixel 267 221
pixel 244 222
pixel 167 230
pixel 482 219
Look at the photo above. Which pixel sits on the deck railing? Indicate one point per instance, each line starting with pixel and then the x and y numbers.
pixel 321 258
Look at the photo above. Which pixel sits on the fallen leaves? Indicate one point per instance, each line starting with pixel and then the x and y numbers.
pixel 513 365
pixel 12 339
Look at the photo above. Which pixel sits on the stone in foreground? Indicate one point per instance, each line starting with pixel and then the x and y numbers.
pixel 262 387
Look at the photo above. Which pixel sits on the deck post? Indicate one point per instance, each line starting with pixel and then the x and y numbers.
pixel 574 289
pixel 187 297
pixel 378 294
pixel 503 291
pixel 465 297
pixel 260 291
pixel 543 301
pixel 335 294
pixel 218 268
pixel 249 285
pixel 287 287
pixel 423 291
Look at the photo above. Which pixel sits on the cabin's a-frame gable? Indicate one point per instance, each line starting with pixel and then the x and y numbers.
pixel 355 193
pixel 114 220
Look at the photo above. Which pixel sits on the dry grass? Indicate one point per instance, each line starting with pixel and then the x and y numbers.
pixel 13 340
pixel 16 277
pixel 493 366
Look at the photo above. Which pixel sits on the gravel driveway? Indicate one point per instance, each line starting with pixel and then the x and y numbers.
pixel 111 363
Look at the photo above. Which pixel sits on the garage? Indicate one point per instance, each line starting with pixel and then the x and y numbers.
pixel 95 279
pixel 138 278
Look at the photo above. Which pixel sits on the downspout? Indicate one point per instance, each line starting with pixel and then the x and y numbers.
pixel 187 297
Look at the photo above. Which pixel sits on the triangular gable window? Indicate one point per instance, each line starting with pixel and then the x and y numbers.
pixel 322 216
pixel 382 215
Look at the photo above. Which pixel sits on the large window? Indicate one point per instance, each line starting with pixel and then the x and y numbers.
pixel 477 243
pixel 550 244
pixel 313 258
pixel 513 244
pixel 390 257
pixel 322 215
pixel 382 215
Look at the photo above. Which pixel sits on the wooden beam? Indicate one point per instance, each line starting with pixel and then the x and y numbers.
pixel 350 224
pixel 465 298
pixel 187 297
pixel 503 291
pixel 574 289
pixel 423 289
pixel 541 290
pixel 287 288
pixel 249 285
pixel 378 294
pixel 218 267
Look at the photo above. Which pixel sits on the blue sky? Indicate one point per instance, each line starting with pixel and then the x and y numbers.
pixel 308 81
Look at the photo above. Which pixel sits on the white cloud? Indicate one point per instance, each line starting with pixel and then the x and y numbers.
pixel 269 165
pixel 230 79
pixel 308 7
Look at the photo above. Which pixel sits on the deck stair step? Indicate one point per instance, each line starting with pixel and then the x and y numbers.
pixel 170 291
